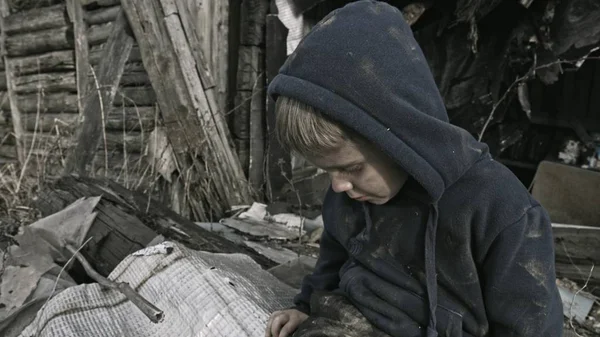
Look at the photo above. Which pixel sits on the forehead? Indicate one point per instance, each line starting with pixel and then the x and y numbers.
pixel 349 153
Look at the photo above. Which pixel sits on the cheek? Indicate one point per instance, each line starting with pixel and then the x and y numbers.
pixel 373 183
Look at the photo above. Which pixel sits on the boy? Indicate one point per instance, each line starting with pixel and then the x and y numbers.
pixel 425 234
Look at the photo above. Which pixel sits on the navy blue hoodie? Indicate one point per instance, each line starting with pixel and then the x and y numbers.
pixel 463 249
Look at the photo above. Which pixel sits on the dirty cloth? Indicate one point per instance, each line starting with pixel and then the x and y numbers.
pixel 333 315
pixel 463 249
pixel 201 294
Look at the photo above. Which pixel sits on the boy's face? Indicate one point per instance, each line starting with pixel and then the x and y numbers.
pixel 362 172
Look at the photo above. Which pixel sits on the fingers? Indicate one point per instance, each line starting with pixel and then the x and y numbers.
pixel 278 323
pixel 269 323
pixel 288 329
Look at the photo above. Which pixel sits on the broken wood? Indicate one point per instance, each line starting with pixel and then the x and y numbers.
pixel 36 19
pixel 190 114
pixel 15 113
pixel 213 34
pixel 127 221
pixel 278 161
pixel 153 313
pixel 82 50
pixel 95 108
pixel 40 41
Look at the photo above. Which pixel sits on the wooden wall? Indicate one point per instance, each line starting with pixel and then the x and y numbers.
pixel 40 53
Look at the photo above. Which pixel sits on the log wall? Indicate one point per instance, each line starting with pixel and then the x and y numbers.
pixel 40 47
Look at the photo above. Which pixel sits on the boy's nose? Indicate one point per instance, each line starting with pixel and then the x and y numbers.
pixel 340 185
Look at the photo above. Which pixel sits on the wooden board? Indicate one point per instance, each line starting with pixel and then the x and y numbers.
pixel 278 161
pixel 109 75
pixel 188 108
pixel 128 220
pixel 568 193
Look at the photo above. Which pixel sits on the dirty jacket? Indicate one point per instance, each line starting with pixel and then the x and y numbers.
pixel 463 249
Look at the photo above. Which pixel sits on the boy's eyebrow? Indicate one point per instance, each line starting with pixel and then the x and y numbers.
pixel 342 166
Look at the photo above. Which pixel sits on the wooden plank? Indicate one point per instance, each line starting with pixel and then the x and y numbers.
pixel 54 16
pixel 121 208
pixel 212 25
pixel 96 54
pixel 109 75
pixel 257 134
pixel 135 96
pixel 254 13
pixel 40 41
pixel 82 51
pixel 190 116
pixel 53 61
pixel 127 118
pixel 576 244
pixel 278 161
pixel 15 114
pixel 46 82
pixel 250 65
pixel 3 84
pixel 51 102
pixel 98 34
pixel 101 15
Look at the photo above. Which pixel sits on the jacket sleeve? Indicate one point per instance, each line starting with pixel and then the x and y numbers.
pixel 520 292
pixel 332 256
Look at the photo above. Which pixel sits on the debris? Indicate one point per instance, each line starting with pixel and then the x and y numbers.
pixel 257 211
pixel 293 272
pixel 152 312
pixel 161 248
pixel 576 305
pixel 260 229
pixel 194 288
pixel 281 255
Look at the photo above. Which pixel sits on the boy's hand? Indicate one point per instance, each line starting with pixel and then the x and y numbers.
pixel 283 323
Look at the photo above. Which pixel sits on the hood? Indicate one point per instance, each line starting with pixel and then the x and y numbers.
pixel 362 67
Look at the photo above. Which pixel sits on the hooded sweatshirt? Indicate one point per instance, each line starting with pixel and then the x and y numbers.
pixel 462 249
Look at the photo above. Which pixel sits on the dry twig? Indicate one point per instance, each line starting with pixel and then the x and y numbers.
pixel 152 312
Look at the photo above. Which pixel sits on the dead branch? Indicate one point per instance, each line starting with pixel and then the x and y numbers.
pixel 153 313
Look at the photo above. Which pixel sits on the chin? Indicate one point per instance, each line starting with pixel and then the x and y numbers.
pixel 379 201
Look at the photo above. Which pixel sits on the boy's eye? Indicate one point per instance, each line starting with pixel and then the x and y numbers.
pixel 353 169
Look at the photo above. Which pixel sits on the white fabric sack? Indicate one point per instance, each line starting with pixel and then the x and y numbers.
pixel 201 294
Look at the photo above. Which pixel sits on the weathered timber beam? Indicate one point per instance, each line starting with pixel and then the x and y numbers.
pixel 190 114
pixel 54 16
pixel 109 75
pixel 3 84
pixel 96 54
pixel 60 60
pixel 101 15
pixel 82 50
pixel 40 41
pixel 115 141
pixel 58 102
pixel 278 163
pixel 127 118
pixel 15 113
pixel 48 82
pixel 127 221
pixel 98 34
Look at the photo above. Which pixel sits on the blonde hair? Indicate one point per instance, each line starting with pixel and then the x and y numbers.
pixel 305 130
